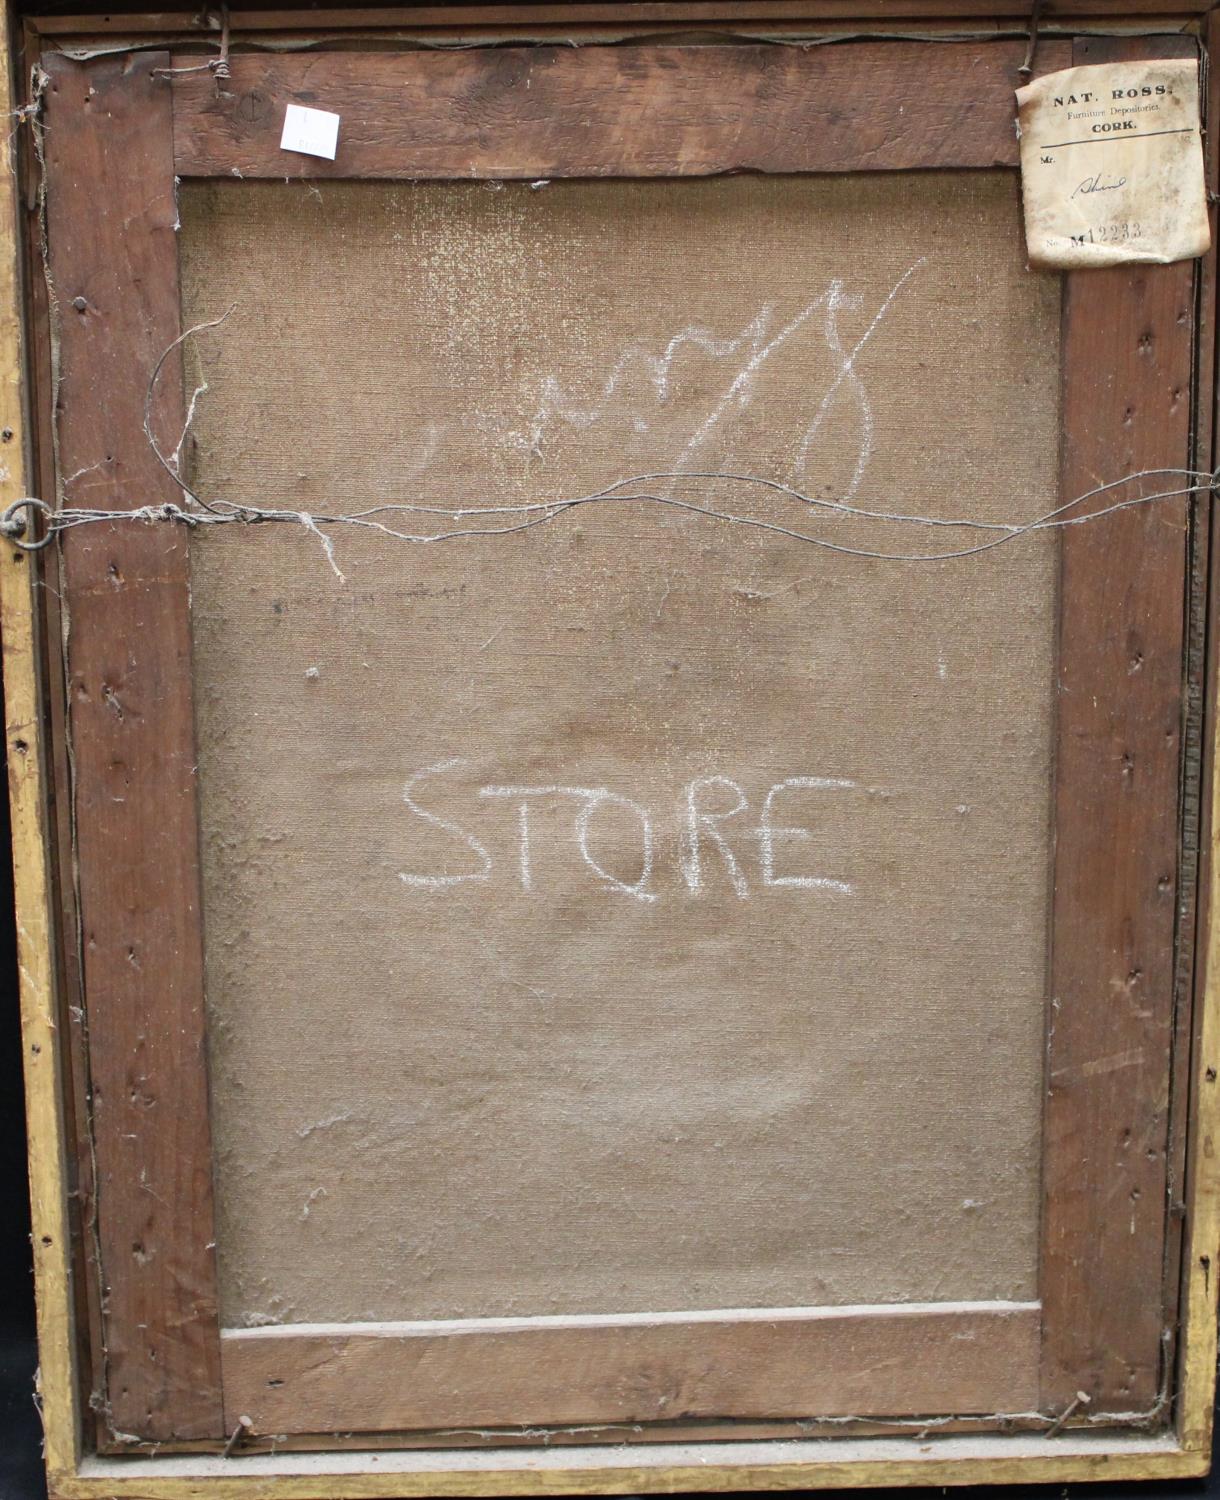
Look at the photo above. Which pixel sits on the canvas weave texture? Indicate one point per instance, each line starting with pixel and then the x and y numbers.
pixel 639 912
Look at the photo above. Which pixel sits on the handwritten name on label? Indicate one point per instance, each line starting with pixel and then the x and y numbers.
pixel 1112 165
pixel 715 827
pixel 313 132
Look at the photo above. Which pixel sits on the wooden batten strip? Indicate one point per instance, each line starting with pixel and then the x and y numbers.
pixel 656 111
pixel 42 1039
pixel 672 13
pixel 1199 1284
pixel 792 1362
pixel 1127 376
pixel 113 263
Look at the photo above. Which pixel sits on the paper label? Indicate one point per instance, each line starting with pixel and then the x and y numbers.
pixel 1112 165
pixel 313 131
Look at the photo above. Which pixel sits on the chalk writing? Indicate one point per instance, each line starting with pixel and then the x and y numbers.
pixel 846 371
pixel 754 346
pixel 591 798
pixel 767 835
pixel 698 822
pixel 707 805
pixel 434 881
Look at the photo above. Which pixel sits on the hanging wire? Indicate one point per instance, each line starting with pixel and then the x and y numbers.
pixel 526 515
pixel 198 511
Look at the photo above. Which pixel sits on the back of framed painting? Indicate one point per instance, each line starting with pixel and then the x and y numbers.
pixel 628 766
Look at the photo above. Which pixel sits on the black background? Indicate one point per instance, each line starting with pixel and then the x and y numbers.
pixel 20 1431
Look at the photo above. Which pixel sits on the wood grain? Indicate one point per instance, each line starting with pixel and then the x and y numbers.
pixel 1127 365
pixel 587 1434
pixel 43 1046
pixel 1197 1284
pixel 1199 726
pixel 113 263
pixel 894 1360
pixel 86 1275
pixel 691 1468
pixel 627 111
pixel 476 19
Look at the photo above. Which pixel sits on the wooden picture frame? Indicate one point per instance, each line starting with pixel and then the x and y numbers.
pixel 1129 1105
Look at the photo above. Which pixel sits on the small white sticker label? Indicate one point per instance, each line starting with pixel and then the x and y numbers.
pixel 1112 165
pixel 312 131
